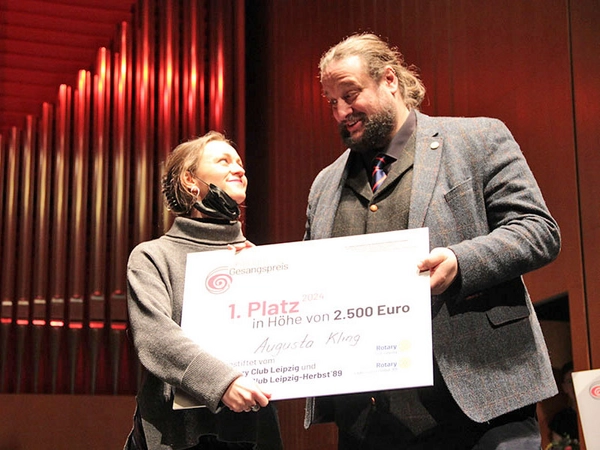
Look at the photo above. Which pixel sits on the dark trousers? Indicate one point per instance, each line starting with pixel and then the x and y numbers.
pixel 427 419
pixel 211 443
pixel 137 441
pixel 514 431
pixel 206 443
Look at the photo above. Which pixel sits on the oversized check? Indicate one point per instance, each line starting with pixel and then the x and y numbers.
pixel 316 318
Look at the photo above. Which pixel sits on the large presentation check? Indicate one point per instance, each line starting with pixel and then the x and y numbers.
pixel 314 318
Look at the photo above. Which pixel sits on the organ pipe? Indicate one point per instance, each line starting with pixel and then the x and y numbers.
pixel 80 187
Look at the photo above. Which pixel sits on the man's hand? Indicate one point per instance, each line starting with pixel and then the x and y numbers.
pixel 443 268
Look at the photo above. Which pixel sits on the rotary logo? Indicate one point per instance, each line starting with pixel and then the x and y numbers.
pixel 218 281
pixel 595 390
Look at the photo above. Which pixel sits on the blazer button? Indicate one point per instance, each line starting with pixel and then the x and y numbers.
pixel 373 208
pixel 373 402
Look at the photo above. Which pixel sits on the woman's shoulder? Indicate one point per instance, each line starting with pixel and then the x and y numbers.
pixel 148 250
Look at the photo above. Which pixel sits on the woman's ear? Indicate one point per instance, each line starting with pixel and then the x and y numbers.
pixel 188 181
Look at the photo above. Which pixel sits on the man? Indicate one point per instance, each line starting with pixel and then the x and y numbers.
pixel 468 182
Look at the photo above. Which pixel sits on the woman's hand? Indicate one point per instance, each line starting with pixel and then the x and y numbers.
pixel 241 246
pixel 244 395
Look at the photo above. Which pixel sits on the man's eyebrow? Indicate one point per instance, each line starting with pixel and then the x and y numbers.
pixel 344 85
pixel 348 83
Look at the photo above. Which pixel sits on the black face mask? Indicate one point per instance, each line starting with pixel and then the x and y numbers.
pixel 218 204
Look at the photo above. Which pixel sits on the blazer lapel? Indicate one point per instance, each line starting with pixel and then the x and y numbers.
pixel 329 198
pixel 428 156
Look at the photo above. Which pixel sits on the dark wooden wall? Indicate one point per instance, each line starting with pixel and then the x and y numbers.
pixel 532 64
pixel 586 112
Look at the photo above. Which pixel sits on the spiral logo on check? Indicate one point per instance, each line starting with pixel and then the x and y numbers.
pixel 595 390
pixel 218 281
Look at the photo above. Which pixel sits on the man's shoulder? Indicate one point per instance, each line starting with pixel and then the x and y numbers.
pixel 337 165
pixel 457 122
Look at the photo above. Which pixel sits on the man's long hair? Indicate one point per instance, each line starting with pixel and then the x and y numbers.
pixel 377 54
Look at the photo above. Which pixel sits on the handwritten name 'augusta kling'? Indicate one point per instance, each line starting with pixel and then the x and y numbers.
pixel 274 348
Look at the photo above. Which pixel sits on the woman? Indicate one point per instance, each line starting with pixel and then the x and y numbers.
pixel 203 185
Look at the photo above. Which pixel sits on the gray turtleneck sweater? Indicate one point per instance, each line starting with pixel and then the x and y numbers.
pixel 155 278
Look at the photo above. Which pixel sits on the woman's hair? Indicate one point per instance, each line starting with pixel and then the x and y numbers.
pixel 376 55
pixel 184 158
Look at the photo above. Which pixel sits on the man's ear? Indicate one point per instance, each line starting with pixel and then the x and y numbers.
pixel 390 78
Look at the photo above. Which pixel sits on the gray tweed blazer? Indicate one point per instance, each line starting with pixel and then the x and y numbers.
pixel 475 192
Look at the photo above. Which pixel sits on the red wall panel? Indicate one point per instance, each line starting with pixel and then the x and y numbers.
pixel 586 66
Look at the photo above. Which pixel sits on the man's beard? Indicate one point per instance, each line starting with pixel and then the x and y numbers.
pixel 377 133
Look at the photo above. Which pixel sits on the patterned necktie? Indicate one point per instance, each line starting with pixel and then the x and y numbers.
pixel 378 174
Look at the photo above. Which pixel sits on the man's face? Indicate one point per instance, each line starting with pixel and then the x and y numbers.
pixel 364 109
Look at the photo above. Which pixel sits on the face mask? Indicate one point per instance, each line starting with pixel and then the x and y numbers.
pixel 218 204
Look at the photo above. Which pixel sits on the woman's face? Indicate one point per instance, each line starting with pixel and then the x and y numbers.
pixel 221 165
